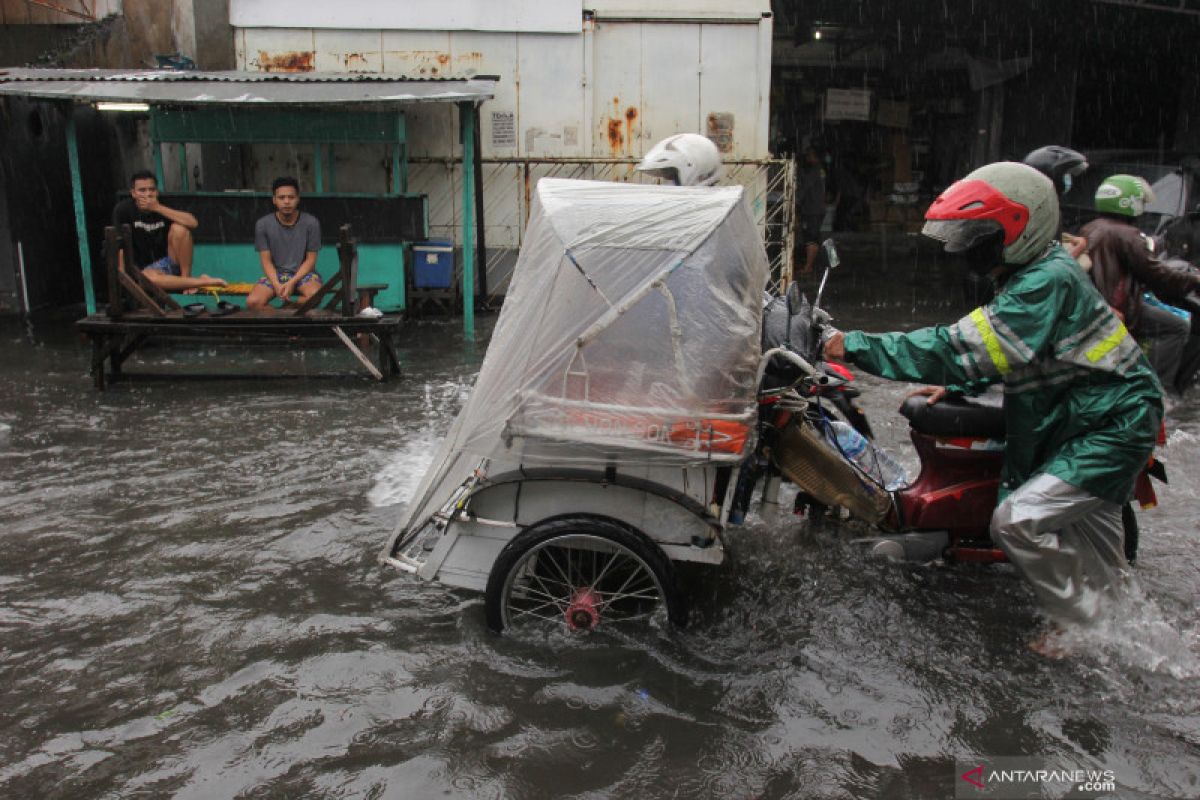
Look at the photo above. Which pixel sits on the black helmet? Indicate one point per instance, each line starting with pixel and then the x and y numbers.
pixel 1059 164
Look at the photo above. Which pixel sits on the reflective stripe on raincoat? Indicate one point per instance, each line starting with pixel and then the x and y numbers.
pixel 1081 403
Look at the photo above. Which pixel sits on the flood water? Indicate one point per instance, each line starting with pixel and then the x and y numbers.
pixel 191 605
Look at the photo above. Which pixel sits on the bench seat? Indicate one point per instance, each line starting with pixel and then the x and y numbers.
pixel 236 293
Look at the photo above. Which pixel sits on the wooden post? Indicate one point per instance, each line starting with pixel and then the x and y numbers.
pixel 362 359
pixel 317 297
pixel 140 295
pixel 99 353
pixel 85 258
pixel 466 121
pixel 348 265
pixel 112 246
pixel 133 276
pixel 480 238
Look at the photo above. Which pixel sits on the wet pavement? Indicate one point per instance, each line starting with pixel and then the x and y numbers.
pixel 191 605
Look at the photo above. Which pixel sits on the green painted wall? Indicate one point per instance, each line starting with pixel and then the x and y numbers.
pixel 377 263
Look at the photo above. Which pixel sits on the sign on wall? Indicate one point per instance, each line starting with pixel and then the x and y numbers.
pixel 504 129
pixel 849 104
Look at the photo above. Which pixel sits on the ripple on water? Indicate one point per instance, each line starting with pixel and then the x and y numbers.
pixel 198 613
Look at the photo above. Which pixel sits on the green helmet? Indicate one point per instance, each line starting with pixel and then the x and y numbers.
pixel 1124 195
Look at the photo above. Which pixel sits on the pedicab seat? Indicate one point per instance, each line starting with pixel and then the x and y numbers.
pixel 957 416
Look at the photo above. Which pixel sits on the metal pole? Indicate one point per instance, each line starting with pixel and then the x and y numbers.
pixel 85 258
pixel 397 179
pixel 402 148
pixel 156 145
pixel 466 121
pixel 24 285
pixel 480 234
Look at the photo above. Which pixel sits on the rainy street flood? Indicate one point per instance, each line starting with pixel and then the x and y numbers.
pixel 194 607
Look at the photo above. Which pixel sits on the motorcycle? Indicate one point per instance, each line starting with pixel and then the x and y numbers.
pixel 945 512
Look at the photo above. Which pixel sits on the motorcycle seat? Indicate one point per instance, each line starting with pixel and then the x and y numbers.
pixel 956 416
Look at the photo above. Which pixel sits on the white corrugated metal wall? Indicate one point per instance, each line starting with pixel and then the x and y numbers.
pixel 608 83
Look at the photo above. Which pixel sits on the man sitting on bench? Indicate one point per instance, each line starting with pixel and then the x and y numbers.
pixel 162 237
pixel 287 242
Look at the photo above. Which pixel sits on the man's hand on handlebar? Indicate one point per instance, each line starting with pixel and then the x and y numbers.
pixel 834 346
pixel 934 393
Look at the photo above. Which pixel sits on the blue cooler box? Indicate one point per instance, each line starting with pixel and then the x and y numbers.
pixel 433 264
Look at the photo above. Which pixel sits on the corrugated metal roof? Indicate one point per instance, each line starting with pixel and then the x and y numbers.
pixel 173 87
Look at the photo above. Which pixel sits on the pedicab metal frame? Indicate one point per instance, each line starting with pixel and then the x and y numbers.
pixel 656 288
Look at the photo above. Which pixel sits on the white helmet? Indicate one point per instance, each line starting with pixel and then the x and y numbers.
pixel 688 159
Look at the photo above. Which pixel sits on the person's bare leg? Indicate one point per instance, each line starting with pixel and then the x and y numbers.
pixel 810 257
pixel 309 289
pixel 178 283
pixel 179 248
pixel 259 297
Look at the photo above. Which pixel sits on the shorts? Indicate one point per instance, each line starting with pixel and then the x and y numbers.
pixel 811 224
pixel 165 265
pixel 285 276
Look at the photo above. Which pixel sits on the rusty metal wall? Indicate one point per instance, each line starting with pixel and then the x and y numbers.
pixel 508 183
pixel 610 90
pixel 583 104
pixel 56 12
pixel 651 80
pixel 533 16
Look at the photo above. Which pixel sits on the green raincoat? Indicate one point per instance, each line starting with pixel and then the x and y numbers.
pixel 1080 402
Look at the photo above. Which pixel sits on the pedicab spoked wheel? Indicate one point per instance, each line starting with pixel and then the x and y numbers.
pixel 582 574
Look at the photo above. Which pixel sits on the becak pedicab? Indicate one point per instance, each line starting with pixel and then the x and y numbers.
pixel 614 406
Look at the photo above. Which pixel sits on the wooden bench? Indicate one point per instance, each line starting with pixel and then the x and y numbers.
pixel 138 309
pixel 364 294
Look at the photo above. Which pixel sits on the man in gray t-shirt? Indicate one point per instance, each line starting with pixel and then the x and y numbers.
pixel 287 242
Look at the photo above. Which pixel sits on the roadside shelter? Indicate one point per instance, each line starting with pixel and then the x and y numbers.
pixel 312 110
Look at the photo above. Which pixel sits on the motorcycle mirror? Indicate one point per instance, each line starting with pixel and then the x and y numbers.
pixel 831 253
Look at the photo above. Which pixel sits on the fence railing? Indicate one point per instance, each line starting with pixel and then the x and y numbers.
pixel 507 191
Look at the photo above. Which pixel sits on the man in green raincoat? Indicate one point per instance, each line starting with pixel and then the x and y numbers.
pixel 1082 406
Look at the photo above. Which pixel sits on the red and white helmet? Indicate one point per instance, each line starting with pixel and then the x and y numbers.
pixel 1006 198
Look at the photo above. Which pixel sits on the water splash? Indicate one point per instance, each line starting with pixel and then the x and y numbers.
pixel 1179 437
pixel 1135 634
pixel 400 476
pixel 438 403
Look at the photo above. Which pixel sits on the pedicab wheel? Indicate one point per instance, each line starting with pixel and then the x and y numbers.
pixel 582 573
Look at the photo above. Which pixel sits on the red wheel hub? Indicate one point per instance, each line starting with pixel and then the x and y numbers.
pixel 583 613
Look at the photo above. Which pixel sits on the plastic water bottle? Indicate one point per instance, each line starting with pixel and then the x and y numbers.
pixel 872 460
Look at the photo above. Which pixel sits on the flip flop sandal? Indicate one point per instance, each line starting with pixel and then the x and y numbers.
pixel 224 307
pixel 194 309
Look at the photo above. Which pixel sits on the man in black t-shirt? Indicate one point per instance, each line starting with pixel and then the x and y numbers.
pixel 162 237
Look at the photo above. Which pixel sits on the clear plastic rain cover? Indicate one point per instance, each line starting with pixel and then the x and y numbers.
pixel 629 335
